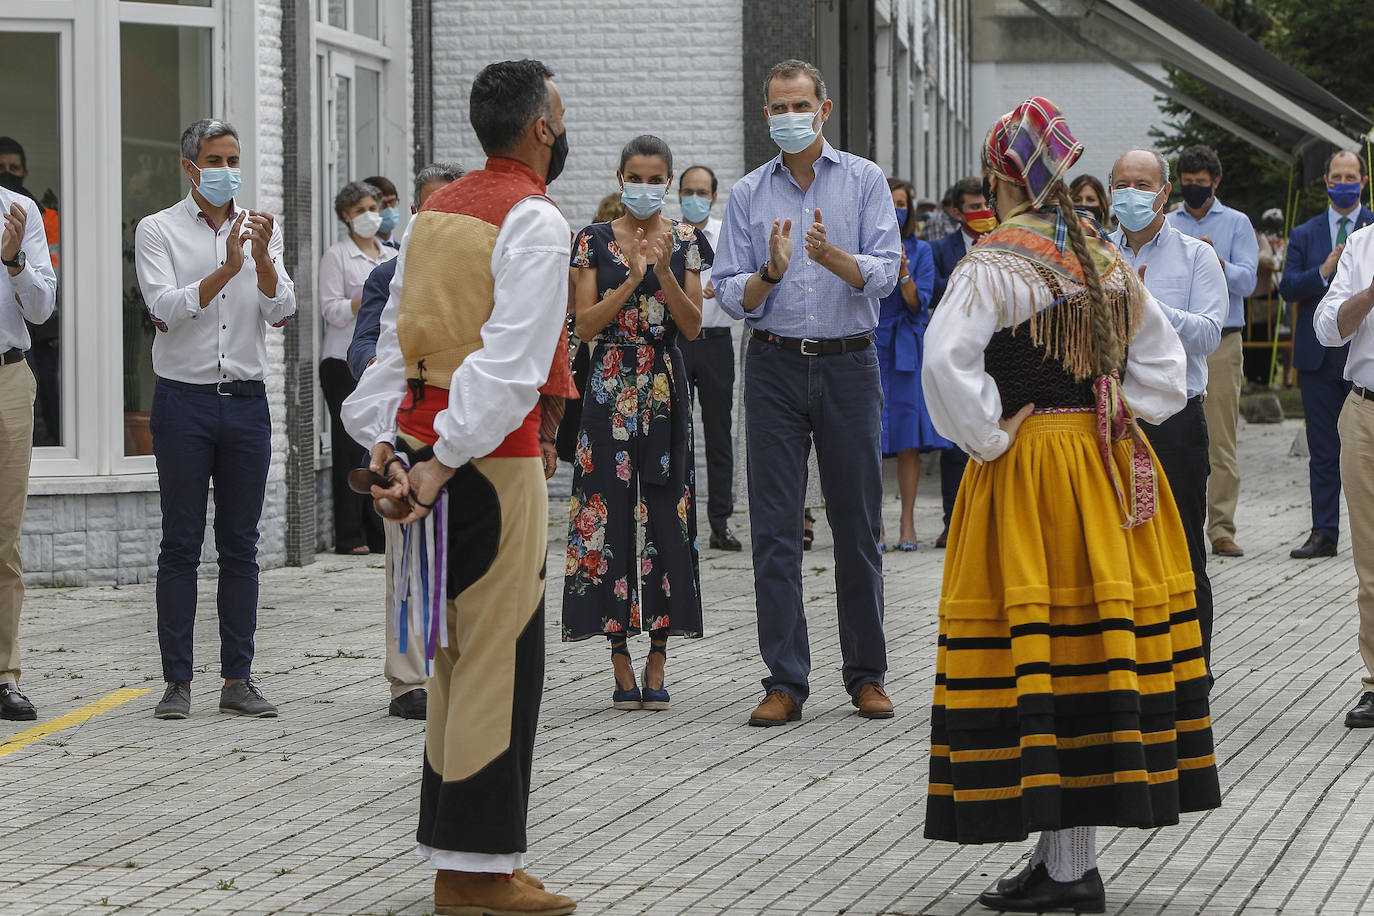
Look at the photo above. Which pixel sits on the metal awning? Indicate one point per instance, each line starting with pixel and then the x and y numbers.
pixel 1193 38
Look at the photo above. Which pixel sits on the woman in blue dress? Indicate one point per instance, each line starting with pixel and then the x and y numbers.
pixel 902 322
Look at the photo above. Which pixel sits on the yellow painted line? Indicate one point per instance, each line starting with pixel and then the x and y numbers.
pixel 75 717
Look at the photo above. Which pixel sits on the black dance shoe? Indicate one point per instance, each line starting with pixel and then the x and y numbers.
pixel 1036 892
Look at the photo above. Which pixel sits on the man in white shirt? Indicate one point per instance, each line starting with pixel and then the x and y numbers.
pixel 710 364
pixel 211 304
pixel 1343 317
pixel 1183 274
pixel 28 290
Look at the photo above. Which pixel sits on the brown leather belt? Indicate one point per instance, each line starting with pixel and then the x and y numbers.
pixel 808 346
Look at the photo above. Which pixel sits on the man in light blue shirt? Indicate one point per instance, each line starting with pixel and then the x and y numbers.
pixel 1231 236
pixel 1182 273
pixel 811 372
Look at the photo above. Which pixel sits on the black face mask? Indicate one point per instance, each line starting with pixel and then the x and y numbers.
pixel 1195 195
pixel 990 197
pixel 559 156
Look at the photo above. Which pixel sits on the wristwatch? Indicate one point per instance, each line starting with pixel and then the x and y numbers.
pixel 19 260
pixel 767 277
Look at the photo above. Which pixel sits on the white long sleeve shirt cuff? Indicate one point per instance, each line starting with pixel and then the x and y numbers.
pixel 1343 284
pixel 962 397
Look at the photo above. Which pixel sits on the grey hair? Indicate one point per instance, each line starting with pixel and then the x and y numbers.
pixel 353 192
pixel 436 171
pixel 204 129
pixel 1159 160
pixel 787 69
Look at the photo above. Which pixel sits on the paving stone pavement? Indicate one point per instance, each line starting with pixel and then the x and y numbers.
pixel 680 812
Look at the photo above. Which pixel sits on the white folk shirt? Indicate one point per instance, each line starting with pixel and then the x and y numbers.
pixel 343 271
pixel 498 384
pixel 31 294
pixel 712 315
pixel 1353 274
pixel 174 250
pixel 962 398
pixel 1183 274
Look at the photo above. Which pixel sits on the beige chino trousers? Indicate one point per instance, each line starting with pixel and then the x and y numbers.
pixel 1356 427
pixel 1225 375
pixel 17 390
pixel 404 670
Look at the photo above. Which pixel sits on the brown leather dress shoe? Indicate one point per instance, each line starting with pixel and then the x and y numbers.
pixel 1225 547
pixel 943 539
pixel 778 708
pixel 462 893
pixel 526 878
pixel 873 702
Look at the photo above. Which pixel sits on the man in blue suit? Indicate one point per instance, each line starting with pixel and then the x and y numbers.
pixel 1313 253
pixel 967 196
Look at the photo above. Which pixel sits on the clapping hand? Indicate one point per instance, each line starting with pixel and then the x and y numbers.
pixel 637 257
pixel 13 237
pixel 233 244
pixel 259 233
pixel 1328 268
pixel 661 251
pixel 780 247
pixel 816 245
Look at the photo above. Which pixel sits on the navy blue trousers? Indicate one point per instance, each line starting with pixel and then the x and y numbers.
pixel 837 401
pixel 1323 396
pixel 952 463
pixel 199 436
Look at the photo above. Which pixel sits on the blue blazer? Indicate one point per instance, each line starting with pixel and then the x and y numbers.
pixel 369 322
pixel 1302 284
pixel 947 252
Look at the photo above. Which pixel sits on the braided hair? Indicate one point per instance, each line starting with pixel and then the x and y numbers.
pixel 1106 347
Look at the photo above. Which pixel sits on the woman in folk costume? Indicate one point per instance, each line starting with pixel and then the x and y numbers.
pixel 1070 688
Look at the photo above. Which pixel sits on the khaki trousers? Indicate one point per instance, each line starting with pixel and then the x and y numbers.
pixel 17 390
pixel 404 670
pixel 1222 407
pixel 1356 426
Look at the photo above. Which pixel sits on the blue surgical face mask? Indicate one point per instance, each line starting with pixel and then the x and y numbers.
pixel 1134 208
pixel 794 131
pixel 219 185
pixel 695 209
pixel 1344 193
pixel 901 217
pixel 390 217
pixel 643 200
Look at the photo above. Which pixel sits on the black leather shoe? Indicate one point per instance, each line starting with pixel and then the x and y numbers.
pixel 1005 885
pixel 1037 892
pixel 724 540
pixel 14 705
pixel 1362 716
pixel 1318 545
pixel 412 705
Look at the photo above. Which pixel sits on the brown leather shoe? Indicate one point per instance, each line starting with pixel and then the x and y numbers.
pixel 526 878
pixel 873 702
pixel 1225 547
pixel 778 708
pixel 462 893
pixel 943 539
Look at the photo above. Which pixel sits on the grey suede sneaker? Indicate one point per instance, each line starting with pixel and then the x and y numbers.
pixel 243 698
pixel 176 702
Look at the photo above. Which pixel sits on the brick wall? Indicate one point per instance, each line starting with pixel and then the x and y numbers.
pixel 623 69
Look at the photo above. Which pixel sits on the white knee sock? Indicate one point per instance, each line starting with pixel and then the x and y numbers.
pixel 1068 854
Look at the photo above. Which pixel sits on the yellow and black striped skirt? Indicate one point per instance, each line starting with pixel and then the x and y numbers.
pixel 1070 684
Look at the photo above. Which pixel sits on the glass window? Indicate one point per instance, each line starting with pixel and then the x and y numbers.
pixel 31 164
pixel 369 110
pixel 165 84
pixel 338 13
pixel 365 18
pixel 343 138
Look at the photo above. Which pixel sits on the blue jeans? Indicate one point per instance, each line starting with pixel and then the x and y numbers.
pixel 837 401
pixel 199 436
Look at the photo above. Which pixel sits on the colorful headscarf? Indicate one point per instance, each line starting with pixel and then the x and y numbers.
pixel 1031 146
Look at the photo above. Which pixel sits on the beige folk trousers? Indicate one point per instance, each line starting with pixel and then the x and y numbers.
pixel 404 670
pixel 1356 427
pixel 1222 408
pixel 17 389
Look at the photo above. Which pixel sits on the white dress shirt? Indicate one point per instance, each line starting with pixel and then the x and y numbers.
pixel 962 398
pixel 712 315
pixel 1353 274
pixel 32 293
pixel 498 384
pixel 1184 276
pixel 343 271
pixel 174 250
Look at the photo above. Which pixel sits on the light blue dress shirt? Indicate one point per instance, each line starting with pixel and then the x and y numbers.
pixel 811 302
pixel 1184 277
pixel 1235 242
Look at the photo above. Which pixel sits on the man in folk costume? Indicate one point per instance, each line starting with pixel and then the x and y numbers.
pixel 474 321
pixel 1070 686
